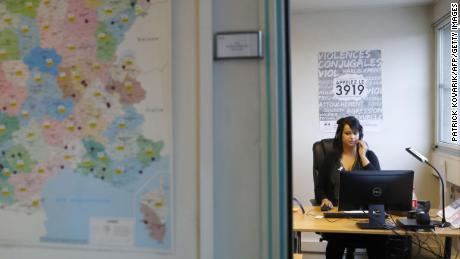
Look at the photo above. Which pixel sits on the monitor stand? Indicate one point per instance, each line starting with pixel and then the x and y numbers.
pixel 376 218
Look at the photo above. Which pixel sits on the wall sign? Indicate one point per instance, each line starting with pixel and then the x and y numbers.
pixel 231 45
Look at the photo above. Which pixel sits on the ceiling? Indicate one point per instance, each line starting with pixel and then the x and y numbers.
pixel 301 6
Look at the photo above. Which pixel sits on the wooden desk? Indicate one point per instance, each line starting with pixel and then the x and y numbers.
pixel 297 256
pixel 312 222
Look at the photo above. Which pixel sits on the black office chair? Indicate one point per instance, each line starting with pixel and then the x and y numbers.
pixel 320 150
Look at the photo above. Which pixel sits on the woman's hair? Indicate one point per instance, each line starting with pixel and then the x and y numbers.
pixel 355 127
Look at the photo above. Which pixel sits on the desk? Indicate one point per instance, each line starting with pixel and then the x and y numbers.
pixel 297 256
pixel 308 223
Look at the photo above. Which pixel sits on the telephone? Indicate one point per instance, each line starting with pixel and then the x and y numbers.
pixel 452 213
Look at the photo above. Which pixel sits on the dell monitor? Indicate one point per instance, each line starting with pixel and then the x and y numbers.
pixel 376 191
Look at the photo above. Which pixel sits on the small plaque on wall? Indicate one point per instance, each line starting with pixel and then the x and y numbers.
pixel 232 45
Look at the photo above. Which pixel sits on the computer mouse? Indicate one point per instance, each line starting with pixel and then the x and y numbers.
pixel 325 208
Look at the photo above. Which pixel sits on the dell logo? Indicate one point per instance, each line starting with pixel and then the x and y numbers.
pixel 377 191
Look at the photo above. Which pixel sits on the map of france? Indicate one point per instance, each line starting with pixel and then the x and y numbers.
pixel 69 119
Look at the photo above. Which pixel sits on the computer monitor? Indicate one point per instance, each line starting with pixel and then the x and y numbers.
pixel 390 188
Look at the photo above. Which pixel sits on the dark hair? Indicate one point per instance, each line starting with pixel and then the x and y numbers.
pixel 355 127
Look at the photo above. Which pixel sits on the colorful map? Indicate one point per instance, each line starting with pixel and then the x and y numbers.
pixel 85 123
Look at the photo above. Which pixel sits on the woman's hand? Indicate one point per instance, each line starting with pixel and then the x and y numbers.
pixel 326 202
pixel 362 149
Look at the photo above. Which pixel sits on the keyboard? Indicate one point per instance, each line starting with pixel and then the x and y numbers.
pixel 354 215
pixel 348 214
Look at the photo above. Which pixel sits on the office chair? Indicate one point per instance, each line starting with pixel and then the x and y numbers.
pixel 320 150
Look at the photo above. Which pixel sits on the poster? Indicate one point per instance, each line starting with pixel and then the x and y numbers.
pixel 350 83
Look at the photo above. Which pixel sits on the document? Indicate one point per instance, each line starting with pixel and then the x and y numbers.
pixel 452 213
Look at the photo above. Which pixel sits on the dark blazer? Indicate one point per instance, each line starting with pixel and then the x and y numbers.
pixel 329 176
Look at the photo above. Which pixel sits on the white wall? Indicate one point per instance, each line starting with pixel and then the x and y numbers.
pixel 405 37
pixel 184 78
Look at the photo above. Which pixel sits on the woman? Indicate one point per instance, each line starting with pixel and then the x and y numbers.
pixel 351 153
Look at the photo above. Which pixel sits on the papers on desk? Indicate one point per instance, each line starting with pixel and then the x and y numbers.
pixel 354 211
pixel 452 213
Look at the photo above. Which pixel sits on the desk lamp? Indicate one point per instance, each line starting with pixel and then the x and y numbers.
pixel 423 159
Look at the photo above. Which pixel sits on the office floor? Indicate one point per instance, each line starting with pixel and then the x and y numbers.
pixel 362 255
pixel 322 256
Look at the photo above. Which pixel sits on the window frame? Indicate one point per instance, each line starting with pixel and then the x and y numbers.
pixel 450 148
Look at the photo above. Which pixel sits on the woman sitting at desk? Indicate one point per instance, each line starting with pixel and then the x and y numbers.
pixel 351 153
